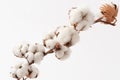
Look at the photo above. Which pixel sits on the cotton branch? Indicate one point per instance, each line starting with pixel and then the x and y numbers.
pixel 59 41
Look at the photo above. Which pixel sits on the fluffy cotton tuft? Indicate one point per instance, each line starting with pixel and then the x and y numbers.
pixel 20 50
pixel 33 72
pixel 67 35
pixel 81 18
pixel 30 57
pixel 38 57
pixel 64 35
pixel 20 70
pixel 66 55
pixel 17 51
pixel 63 53
pixel 20 73
pixel 50 43
pixel 40 48
pixel 59 54
pixel 36 48
pixel 32 48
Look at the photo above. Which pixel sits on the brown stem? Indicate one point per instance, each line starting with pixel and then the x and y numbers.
pixel 98 20
pixel 49 51
pixel 105 22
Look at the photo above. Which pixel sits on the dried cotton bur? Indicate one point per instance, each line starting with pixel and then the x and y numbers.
pixel 59 41
pixel 109 13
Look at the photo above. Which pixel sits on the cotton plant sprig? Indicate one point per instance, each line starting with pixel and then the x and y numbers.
pixel 59 41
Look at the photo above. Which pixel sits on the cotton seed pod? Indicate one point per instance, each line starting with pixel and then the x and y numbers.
pixel 20 70
pixel 66 55
pixel 81 18
pixel 33 72
pixel 63 53
pixel 20 73
pixel 38 56
pixel 50 44
pixel 40 48
pixel 68 36
pixel 32 48
pixel 17 51
pixel 75 15
pixel 59 54
pixel 30 57
pixel 24 48
pixel 64 35
pixel 20 50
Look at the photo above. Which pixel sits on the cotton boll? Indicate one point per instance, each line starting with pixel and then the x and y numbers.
pixel 20 70
pixel 17 51
pixel 63 54
pixel 40 48
pixel 30 57
pixel 50 43
pixel 38 57
pixel 85 24
pixel 64 35
pixel 32 48
pixel 24 48
pixel 20 50
pixel 86 20
pixel 75 16
pixel 24 67
pixel 34 72
pixel 59 54
pixel 68 35
pixel 20 73
pixel 66 55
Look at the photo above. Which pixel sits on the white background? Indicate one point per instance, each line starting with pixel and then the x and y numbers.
pixel 95 57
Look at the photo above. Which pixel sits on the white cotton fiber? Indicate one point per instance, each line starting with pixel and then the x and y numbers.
pixel 34 72
pixel 38 56
pixel 50 43
pixel 64 35
pixel 32 48
pixel 30 57
pixel 40 48
pixel 82 17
